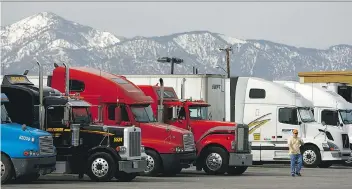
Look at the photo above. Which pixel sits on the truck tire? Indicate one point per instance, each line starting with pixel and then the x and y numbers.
pixel 233 170
pixel 215 161
pixel 27 178
pixel 101 167
pixel 6 169
pixel 154 164
pixel 325 164
pixel 125 177
pixel 311 156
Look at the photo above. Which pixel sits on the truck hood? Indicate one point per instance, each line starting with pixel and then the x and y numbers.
pixel 165 126
pixel 32 131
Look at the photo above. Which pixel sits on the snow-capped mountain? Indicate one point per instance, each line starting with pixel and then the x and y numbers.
pixel 48 38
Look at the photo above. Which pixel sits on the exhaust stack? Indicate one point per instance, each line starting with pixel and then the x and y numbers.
pixel 67 79
pixel 183 88
pixel 161 108
pixel 41 96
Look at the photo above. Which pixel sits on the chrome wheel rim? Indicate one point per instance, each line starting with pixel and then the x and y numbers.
pixel 214 161
pixel 3 168
pixel 100 167
pixel 309 157
pixel 150 164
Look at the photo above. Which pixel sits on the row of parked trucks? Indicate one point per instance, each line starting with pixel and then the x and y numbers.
pixel 85 121
pixel 106 125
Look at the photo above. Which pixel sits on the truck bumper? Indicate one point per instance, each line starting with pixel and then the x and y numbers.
pixel 335 155
pixel 133 166
pixel 40 165
pixel 240 159
pixel 183 160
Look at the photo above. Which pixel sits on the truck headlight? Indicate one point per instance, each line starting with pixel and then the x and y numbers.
pixel 121 149
pixel 233 145
pixel 331 146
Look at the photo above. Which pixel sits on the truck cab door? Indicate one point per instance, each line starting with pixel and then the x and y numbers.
pixel 287 121
pixel 173 117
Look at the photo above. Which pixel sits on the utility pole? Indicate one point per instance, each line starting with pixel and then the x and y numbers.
pixel 227 50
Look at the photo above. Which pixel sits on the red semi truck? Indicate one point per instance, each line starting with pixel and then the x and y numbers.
pixel 169 149
pixel 221 146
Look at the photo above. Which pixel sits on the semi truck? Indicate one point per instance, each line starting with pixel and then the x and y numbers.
pixel 169 149
pixel 221 146
pixel 343 89
pixel 26 152
pixel 83 147
pixel 271 111
pixel 329 108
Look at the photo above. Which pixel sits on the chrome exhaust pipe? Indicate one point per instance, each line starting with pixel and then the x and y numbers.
pixel 41 96
pixel 183 88
pixel 67 79
pixel 161 109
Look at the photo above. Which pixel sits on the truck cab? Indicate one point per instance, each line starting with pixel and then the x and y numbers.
pixel 168 148
pixel 99 151
pixel 272 111
pixel 217 141
pixel 26 152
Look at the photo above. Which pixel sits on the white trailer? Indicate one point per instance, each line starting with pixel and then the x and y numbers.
pixel 270 109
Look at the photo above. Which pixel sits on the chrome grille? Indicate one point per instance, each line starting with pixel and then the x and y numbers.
pixel 242 142
pixel 188 143
pixel 134 144
pixel 345 141
pixel 46 145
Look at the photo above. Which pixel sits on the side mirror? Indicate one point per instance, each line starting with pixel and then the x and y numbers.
pixel 118 117
pixel 299 123
pixel 100 113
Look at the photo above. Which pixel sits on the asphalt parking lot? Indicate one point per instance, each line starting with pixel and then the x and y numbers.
pixel 263 177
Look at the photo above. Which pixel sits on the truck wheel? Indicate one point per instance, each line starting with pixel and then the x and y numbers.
pixel 215 161
pixel 27 178
pixel 6 169
pixel 232 170
pixel 153 163
pixel 311 156
pixel 101 167
pixel 325 164
pixel 125 177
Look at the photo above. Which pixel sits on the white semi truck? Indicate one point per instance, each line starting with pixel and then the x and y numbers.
pixel 343 89
pixel 271 110
pixel 329 107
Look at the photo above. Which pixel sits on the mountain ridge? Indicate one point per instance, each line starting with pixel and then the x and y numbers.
pixel 49 38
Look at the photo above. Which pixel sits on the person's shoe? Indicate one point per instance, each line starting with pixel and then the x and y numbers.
pixel 292 174
pixel 299 174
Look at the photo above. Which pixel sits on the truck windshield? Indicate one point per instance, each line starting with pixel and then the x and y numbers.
pixel 346 116
pixel 198 112
pixel 4 116
pixel 143 113
pixel 80 115
pixel 306 115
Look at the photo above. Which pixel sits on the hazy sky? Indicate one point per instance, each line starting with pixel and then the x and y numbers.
pixel 317 25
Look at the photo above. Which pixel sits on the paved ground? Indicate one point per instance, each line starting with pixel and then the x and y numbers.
pixel 267 177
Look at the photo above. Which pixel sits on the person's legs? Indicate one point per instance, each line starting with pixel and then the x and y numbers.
pixel 293 164
pixel 299 164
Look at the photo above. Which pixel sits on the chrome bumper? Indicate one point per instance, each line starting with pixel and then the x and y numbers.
pixel 133 166
pixel 240 159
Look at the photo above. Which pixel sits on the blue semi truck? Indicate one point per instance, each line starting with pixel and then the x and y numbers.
pixel 26 152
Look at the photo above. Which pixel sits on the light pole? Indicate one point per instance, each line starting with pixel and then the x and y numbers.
pixel 173 61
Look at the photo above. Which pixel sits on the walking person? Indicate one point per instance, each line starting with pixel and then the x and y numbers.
pixel 294 144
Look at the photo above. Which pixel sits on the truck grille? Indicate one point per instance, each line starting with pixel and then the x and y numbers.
pixel 46 145
pixel 188 143
pixel 345 141
pixel 242 142
pixel 134 144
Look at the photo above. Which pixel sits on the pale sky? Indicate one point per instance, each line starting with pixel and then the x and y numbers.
pixel 316 24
